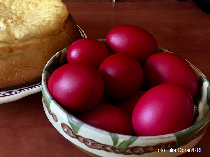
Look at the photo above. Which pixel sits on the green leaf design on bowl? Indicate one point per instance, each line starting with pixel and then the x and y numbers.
pixel 160 49
pixel 197 98
pixel 208 95
pixel 201 81
pixel 182 136
pixel 55 64
pixel 115 139
pixel 103 41
pixel 123 146
pixel 75 125
pixel 47 100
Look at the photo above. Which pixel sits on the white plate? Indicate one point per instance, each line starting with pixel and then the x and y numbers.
pixel 16 94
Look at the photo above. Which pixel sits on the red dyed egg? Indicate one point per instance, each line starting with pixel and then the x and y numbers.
pixel 87 51
pixel 133 41
pixel 164 109
pixel 109 118
pixel 170 68
pixel 122 75
pixel 129 104
pixel 77 87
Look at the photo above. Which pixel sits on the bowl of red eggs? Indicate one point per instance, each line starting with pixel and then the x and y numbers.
pixel 125 96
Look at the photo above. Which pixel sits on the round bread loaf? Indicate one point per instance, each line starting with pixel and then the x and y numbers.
pixel 23 54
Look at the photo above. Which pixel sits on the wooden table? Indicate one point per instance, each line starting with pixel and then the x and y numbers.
pixel 177 26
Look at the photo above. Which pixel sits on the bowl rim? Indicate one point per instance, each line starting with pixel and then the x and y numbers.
pixel 193 128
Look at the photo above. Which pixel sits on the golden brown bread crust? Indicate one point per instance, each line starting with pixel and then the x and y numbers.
pixel 23 62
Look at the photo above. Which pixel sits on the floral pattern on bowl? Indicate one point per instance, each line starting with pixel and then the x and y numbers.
pixel 103 143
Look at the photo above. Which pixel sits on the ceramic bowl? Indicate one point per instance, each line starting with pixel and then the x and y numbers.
pixel 97 142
